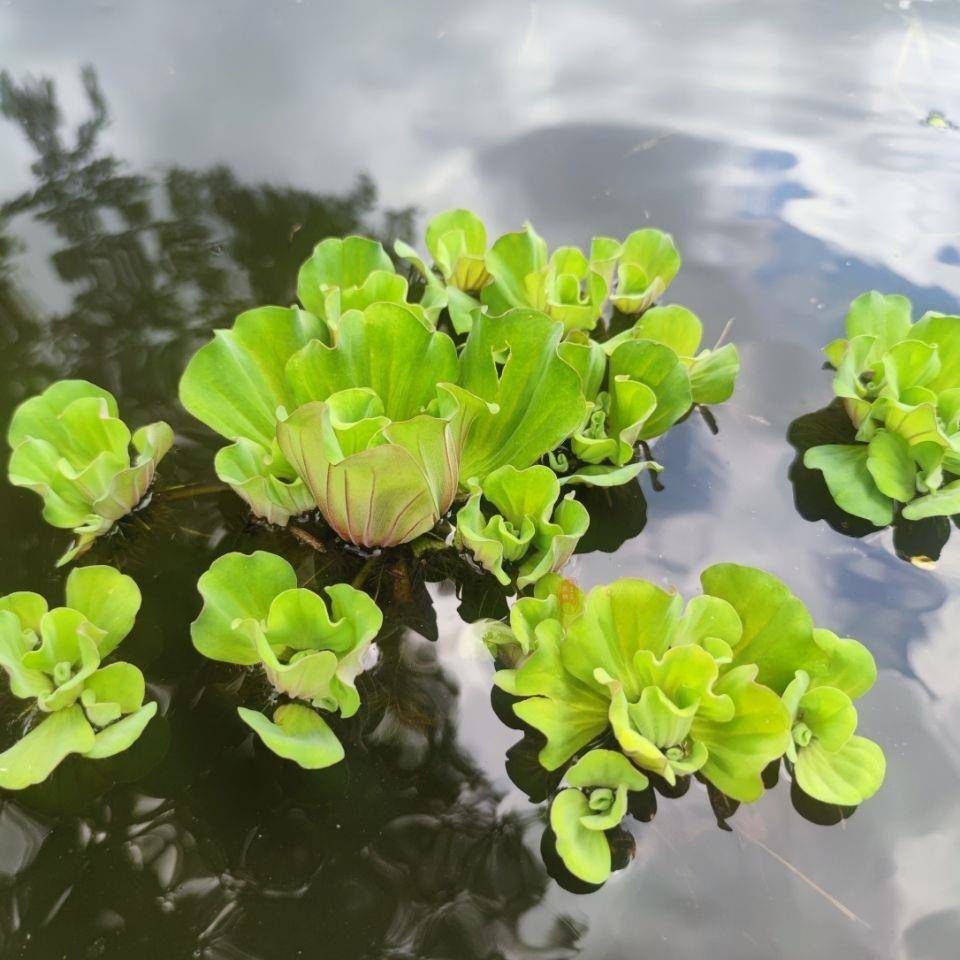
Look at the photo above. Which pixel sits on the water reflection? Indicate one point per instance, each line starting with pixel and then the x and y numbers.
pixel 773 144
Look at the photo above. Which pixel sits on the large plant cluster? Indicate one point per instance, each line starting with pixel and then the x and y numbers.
pixel 470 397
pixel 899 381
pixel 382 408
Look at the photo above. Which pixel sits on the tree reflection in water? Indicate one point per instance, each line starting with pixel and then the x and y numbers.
pixel 197 842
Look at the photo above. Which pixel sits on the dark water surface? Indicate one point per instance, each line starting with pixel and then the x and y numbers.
pixel 164 165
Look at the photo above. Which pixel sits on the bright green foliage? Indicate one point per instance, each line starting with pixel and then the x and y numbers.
pixel 648 262
pixel 830 763
pixel 363 409
pixel 236 384
pixel 70 446
pixel 679 691
pixel 357 442
pixel 517 397
pixel 350 274
pixel 594 802
pixel 55 657
pixel 900 384
pixel 522 523
pixel 254 613
pixel 567 285
pixel 711 373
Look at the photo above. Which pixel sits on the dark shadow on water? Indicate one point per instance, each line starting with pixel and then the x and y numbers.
pixel 923 539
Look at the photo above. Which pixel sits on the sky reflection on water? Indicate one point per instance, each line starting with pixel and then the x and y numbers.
pixel 785 148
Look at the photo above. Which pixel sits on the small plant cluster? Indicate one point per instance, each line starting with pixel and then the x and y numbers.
pixel 71 447
pixel 899 382
pixel 628 683
pixel 55 658
pixel 254 614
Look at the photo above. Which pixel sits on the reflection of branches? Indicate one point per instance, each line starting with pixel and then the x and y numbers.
pixel 153 264
pixel 400 850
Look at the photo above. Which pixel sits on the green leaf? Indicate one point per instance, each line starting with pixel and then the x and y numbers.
pixel 14 643
pixel 944 502
pixel 264 479
pixel 28 608
pixel 608 476
pixel 891 466
pixel 829 716
pixel 777 629
pixel 847 777
pixel 713 375
pixel 885 317
pixel 391 492
pixel 511 259
pixel 297 733
pixel 119 683
pixel 34 757
pixel 457 241
pixel 850 665
pixel 850 482
pixel 738 749
pixel 237 587
pixel 338 270
pixel 516 413
pixel 119 736
pixel 944 333
pixel 606 768
pixel 236 382
pixel 107 598
pixel 386 349
pixel 585 852
pixel 658 368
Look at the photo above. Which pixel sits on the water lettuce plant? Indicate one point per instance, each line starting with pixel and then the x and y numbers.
pixel 381 426
pixel 55 658
pixel 71 447
pixel 254 614
pixel 593 802
pixel 356 404
pixel 899 381
pixel 512 516
pixel 721 688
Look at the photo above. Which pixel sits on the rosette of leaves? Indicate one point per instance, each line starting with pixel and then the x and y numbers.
pixel 647 262
pixel 830 762
pixel 55 657
pixel 678 691
pixel 350 274
pixel 593 802
pixel 900 385
pixel 513 517
pixel 567 285
pixel 711 374
pixel 254 614
pixel 71 447
pixel 457 241
pixel 356 440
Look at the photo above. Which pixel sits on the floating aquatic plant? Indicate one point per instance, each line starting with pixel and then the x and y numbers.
pixel 899 381
pixel 513 517
pixel 311 652
pixel 721 688
pixel 55 657
pixel 359 406
pixel 71 447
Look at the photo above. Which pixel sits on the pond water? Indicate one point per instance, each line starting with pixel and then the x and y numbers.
pixel 165 165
